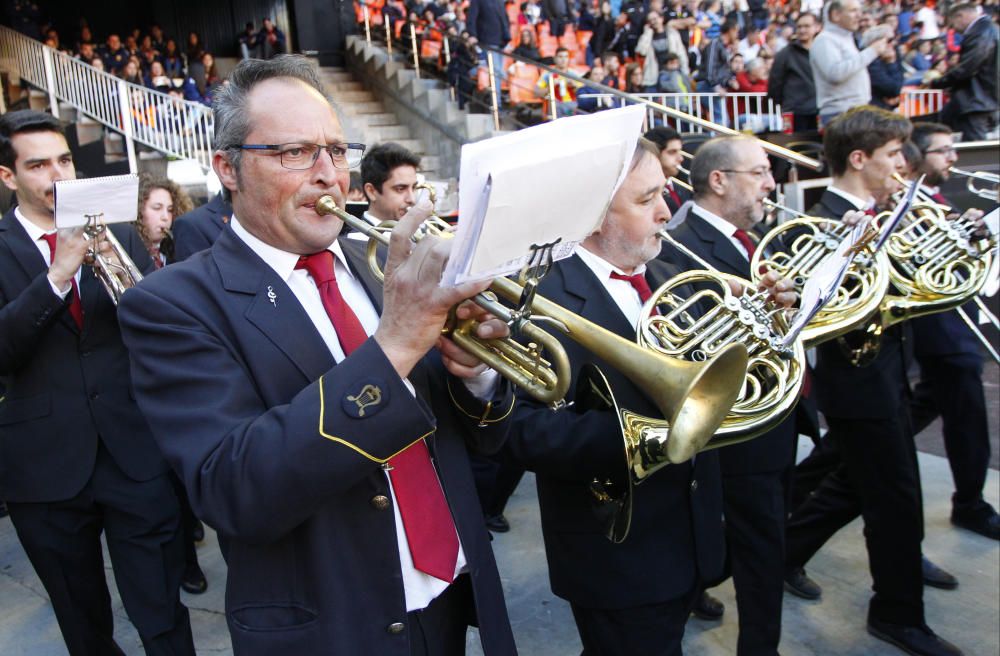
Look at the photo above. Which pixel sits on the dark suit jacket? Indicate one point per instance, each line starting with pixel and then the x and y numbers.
pixel 676 535
pixel 774 450
pixel 973 82
pixel 487 21
pixel 844 390
pixel 253 414
pixel 65 388
pixel 198 229
pixel 683 194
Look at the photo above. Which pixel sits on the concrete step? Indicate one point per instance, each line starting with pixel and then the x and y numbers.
pixel 338 88
pixel 363 96
pixel 387 133
pixel 386 118
pixel 356 109
pixel 336 76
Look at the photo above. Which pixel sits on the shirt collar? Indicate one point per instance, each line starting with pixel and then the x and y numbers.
pixel 981 17
pixel 371 218
pixel 601 267
pixel 837 30
pixel 859 203
pixel 281 261
pixel 34 232
pixel 716 221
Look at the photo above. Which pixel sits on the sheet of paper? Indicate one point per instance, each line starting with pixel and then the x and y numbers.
pixel 823 283
pixel 554 179
pixel 897 214
pixel 115 197
pixel 992 221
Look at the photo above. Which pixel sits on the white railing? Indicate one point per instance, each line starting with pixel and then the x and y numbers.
pixel 917 102
pixel 743 111
pixel 175 127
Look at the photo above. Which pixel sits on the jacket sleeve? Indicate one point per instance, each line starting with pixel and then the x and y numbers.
pixel 24 320
pixel 974 56
pixel 188 238
pixel 472 18
pixel 834 65
pixel 253 471
pixel 776 80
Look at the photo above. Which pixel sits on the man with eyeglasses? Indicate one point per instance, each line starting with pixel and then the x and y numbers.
pixel 867 462
pixel 951 363
pixel 731 177
pixel 790 83
pixel 305 407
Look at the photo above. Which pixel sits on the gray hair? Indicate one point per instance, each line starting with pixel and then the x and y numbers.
pixel 713 155
pixel 232 120
pixel 755 63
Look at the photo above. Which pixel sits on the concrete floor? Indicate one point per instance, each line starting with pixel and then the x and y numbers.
pixel 543 625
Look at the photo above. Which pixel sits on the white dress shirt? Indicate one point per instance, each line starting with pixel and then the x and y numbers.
pixel 420 589
pixel 35 234
pixel 723 226
pixel 859 203
pixel 622 292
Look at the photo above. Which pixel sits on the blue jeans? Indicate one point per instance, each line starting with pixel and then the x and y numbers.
pixel 498 72
pixel 718 108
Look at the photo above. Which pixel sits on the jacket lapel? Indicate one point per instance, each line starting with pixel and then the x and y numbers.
pixel 724 254
pixel 271 305
pixel 355 252
pixel 596 304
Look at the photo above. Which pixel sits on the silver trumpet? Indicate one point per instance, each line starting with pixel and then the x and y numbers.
pixel 117 273
pixel 990 179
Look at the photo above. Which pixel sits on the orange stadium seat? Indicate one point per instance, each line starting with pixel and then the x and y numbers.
pixel 523 78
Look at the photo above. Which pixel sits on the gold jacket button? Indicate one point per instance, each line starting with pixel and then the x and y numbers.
pixel 694 486
pixel 380 502
pixel 395 628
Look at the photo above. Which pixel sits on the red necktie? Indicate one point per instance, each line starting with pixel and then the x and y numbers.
pixel 938 198
pixel 673 194
pixel 742 237
pixel 430 529
pixel 638 282
pixel 75 306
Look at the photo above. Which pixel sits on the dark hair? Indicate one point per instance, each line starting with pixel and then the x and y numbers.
pixel 662 135
pixel 671 56
pixel 728 25
pixel 861 128
pixel 809 14
pixel 913 155
pixel 562 49
pixel 381 160
pixel 356 182
pixel 643 148
pixel 922 133
pixel 713 155
pixel 20 122
pixel 608 55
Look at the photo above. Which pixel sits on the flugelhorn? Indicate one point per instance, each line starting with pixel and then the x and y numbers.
pixel 116 276
pixel 982 176
pixel 693 397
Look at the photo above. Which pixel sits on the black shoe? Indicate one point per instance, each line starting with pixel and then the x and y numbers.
pixel 497 523
pixel 918 640
pixel 936 577
pixel 708 607
pixel 799 584
pixel 198 532
pixel 194 580
pixel 982 519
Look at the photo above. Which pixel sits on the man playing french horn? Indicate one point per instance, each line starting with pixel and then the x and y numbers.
pixel 866 407
pixel 631 597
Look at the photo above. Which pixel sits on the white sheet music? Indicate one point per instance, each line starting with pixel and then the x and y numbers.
pixel 114 196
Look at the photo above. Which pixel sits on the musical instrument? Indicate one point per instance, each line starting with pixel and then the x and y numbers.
pixel 115 276
pixel 693 397
pixel 982 176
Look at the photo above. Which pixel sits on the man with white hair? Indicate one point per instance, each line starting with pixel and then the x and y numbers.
pixel 840 70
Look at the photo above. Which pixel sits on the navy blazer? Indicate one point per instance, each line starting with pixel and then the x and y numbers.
pixel 264 429
pixel 198 229
pixel 877 391
pixel 774 450
pixel 65 388
pixel 487 21
pixel 676 540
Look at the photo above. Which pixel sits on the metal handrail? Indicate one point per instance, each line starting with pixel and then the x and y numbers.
pixel 175 127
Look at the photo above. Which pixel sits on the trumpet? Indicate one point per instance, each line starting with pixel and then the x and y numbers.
pixel 983 192
pixel 693 397
pixel 116 276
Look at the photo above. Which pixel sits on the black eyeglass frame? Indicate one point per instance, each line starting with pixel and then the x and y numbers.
pixel 319 148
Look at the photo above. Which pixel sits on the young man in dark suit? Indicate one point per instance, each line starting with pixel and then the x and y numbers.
pixel 78 457
pixel 301 406
pixel 732 177
pixel 951 362
pixel 198 229
pixel 633 597
pixel 670 145
pixel 875 471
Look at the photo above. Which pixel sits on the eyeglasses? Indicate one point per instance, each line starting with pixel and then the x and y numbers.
pixel 944 150
pixel 303 156
pixel 760 174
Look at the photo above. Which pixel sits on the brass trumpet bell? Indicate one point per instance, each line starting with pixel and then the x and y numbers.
pixel 117 274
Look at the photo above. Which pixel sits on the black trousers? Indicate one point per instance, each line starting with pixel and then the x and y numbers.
pixel 879 480
pixel 652 630
pixel 496 478
pixel 141 523
pixel 952 387
pixel 973 126
pixel 755 536
pixel 439 629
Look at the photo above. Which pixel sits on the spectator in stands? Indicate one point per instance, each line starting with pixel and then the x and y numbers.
pixel 715 74
pixel 927 18
pixel 157 38
pixel 673 80
pixel 591 105
pixel 886 74
pixel 462 68
pixel 173 61
pixel 751 113
pixel 97 62
pixel 619 42
pixel 86 51
pixel 527 45
pixel 247 41
pixel 559 13
pixel 682 19
pixel 487 23
pixel 759 16
pixel 271 40
pixel 131 46
pixel 658 41
pixel 194 48
pixel 633 78
pixel 212 77
pixel 604 31
pixel 790 83
pixel 737 65
pixel 917 62
pixel 749 46
pixel 612 70
pixel 532 13
pixel 131 72
pixel 905 21
pixel 114 55
pixel 157 78
pixel 86 36
pixel 563 89
pixel 710 19
pixel 839 69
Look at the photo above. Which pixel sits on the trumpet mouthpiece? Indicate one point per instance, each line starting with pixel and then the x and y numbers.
pixel 326 205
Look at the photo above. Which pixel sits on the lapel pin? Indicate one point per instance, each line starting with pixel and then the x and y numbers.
pixel 271 296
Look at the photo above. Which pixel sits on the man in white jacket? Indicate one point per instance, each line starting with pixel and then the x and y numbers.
pixel 839 68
